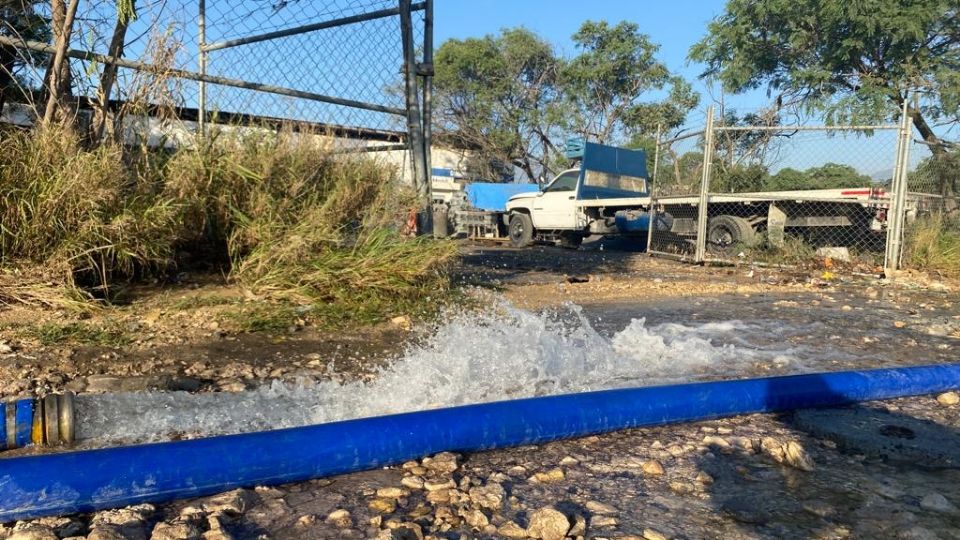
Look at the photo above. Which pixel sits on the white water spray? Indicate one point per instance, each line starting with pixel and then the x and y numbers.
pixel 503 353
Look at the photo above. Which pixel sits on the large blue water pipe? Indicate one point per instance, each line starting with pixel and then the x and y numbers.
pixel 54 484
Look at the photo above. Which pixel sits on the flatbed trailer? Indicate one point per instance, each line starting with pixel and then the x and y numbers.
pixel 608 194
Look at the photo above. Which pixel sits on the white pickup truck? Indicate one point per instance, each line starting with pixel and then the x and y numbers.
pixel 609 194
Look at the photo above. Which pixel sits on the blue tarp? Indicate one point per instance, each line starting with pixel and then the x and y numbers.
pixel 493 197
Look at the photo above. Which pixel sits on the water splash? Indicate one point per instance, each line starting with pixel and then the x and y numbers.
pixel 502 353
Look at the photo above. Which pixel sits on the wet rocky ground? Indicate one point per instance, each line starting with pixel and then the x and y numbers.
pixel 879 470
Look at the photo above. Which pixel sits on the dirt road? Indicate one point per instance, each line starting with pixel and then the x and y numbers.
pixel 760 476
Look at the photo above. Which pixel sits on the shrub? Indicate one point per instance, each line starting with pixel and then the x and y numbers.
pixel 932 243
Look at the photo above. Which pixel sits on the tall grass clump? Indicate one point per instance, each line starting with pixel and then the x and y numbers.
pixel 932 244
pixel 303 224
pixel 281 213
pixel 82 217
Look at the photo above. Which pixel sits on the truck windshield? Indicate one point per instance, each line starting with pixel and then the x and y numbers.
pixel 565 182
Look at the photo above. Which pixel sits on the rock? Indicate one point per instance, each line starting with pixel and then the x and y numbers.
pixel 175 531
pixel 650 534
pixel 841 254
pixel 412 482
pixel 4 348
pixel 797 457
pixel 682 488
pixel 218 534
pixel 383 506
pixel 34 532
pixel 434 485
pixel 948 398
pixel 548 524
pixel 392 492
pixel 107 532
pixel 62 526
pixel 444 462
pixel 475 518
pixel 548 477
pixel 128 523
pixel 231 503
pixel 440 496
pixel 579 526
pixel 652 467
pixel 936 502
pixel 339 518
pixel 601 522
pixel 717 442
pixel 599 508
pixel 403 321
pixel 490 496
pixel 407 531
pixel 569 461
pixel 704 478
pixel 790 453
pixel 511 530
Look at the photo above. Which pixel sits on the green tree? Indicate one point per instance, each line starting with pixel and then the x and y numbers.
pixel 833 175
pixel 786 180
pixel 828 176
pixel 499 96
pixel 854 61
pixel 739 179
pixel 606 81
pixel 19 19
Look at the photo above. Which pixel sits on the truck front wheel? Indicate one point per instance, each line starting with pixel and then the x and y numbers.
pixel 521 230
pixel 726 232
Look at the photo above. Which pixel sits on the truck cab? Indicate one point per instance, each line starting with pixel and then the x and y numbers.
pixel 582 200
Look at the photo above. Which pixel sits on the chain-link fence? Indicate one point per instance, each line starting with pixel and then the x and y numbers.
pixel 932 214
pixel 791 193
pixel 356 71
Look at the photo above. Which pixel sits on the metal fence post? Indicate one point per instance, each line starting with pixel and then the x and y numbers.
pixel 896 215
pixel 202 37
pixel 651 187
pixel 427 74
pixel 414 119
pixel 701 251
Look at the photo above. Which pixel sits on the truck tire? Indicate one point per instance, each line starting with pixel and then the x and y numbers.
pixel 520 230
pixel 725 232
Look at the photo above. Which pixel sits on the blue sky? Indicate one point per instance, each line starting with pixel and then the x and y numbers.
pixel 675 25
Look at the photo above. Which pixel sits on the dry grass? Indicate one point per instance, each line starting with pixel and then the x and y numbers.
pixel 84 215
pixel 287 218
pixel 932 244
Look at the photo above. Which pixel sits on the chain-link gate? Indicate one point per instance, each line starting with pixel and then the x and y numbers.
pixel 790 193
pixel 355 71
pixel 677 178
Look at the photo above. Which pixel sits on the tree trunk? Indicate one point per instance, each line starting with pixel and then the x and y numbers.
pixel 58 78
pixel 108 78
pixel 945 185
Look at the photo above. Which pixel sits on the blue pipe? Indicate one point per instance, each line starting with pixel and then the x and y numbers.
pixel 54 484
